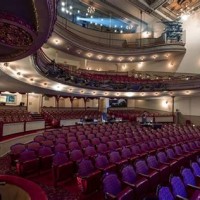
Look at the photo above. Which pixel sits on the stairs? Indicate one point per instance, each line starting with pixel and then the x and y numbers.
pixel 37 116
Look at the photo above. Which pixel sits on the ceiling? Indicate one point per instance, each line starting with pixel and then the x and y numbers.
pixel 153 12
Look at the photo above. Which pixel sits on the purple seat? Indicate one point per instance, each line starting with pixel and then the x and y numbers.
pixel 102 148
pixel 28 163
pixel 179 189
pixel 85 143
pixel 116 159
pixel 51 137
pixel 143 170
pixel 137 151
pixel 46 157
pixel 76 155
pixel 113 189
pixel 34 146
pixel 139 184
pixel 164 193
pixel 15 151
pixel 164 170
pixel 81 137
pixel 91 136
pixel 121 143
pixel 95 141
pixel 127 154
pixel 112 145
pixel 39 138
pixel 145 148
pixel 73 145
pixel 48 143
pixel 192 153
pixel 102 163
pixel 130 141
pixel 60 140
pixel 188 178
pixel 63 168
pixel 163 159
pixel 60 147
pixel 71 139
pixel 179 152
pixel 195 168
pixel 90 151
pixel 104 139
pixel 88 178
pixel 173 156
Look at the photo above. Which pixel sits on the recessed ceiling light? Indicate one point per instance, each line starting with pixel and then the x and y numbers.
pixel 131 58
pixel 110 58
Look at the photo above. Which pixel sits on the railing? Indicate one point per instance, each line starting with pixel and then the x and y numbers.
pixel 131 40
pixel 62 74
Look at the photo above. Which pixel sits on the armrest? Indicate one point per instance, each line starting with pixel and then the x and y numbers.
pixel 193 187
pixel 110 196
pixel 95 173
pixel 144 175
pixel 124 193
pixel 154 168
pixel 129 184
pixel 178 197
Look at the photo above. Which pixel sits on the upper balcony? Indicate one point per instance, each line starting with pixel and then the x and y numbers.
pixel 116 47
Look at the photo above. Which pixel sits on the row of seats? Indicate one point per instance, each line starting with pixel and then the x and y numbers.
pixel 183 186
pixel 68 114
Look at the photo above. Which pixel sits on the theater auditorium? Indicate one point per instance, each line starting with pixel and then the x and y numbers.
pixel 99 99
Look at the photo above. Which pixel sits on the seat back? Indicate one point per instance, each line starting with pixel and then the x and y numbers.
pixel 126 153
pixel 162 157
pixel 128 174
pixel 27 155
pixel 188 176
pixel 45 151
pixel 76 155
pixel 178 186
pixel 60 159
pixel 152 161
pixel 90 151
pixel 115 157
pixel 141 167
pixel 101 161
pixel 196 168
pixel 164 193
pixel 85 167
pixel 170 153
pixel 60 147
pixel 111 184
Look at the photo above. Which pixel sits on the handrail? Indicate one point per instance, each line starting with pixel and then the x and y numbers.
pixel 110 41
pixel 63 75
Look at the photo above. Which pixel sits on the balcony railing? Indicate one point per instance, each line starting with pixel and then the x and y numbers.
pixel 113 82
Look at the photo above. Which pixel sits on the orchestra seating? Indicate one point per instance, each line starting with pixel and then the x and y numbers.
pixel 132 156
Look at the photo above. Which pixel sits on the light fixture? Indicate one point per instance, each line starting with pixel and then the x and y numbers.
pixel 91 8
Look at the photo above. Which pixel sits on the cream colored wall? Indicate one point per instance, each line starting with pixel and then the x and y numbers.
pixel 188 105
pixel 67 103
pixel 49 101
pixel 34 102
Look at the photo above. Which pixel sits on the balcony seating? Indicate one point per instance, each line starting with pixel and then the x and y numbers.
pixel 28 163
pixel 88 178
pixel 139 184
pixel 113 189
pixel 46 158
pixel 143 170
pixel 62 168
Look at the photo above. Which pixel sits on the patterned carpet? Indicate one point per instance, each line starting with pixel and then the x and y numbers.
pixel 59 193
